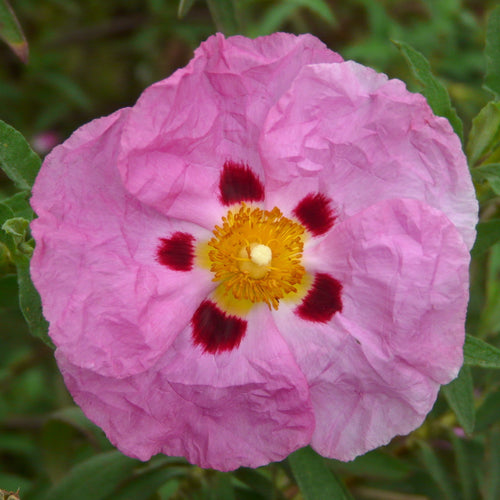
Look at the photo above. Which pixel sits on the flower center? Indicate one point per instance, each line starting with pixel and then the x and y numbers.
pixel 256 255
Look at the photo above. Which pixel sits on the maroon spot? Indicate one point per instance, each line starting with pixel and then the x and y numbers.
pixel 177 252
pixel 315 213
pixel 238 183
pixel 322 301
pixel 216 331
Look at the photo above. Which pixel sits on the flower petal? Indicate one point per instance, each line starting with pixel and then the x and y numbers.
pixel 315 213
pixel 375 368
pixel 349 132
pixel 323 299
pixel 182 130
pixel 238 183
pixel 112 306
pixel 246 407
pixel 215 330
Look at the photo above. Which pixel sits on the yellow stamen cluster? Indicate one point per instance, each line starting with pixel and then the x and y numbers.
pixel 256 255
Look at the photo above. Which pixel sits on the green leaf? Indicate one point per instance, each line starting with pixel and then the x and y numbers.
pixel 273 19
pixel 491 173
pixel 17 159
pixel 95 478
pixel 145 484
pixel 224 15
pixel 184 7
pixel 17 227
pixel 66 436
pixel 460 397
pixel 488 412
pixel 278 14
pixel 436 470
pixel 30 303
pixel 479 353
pixel 221 488
pixel 488 233
pixel 319 7
pixel 18 204
pixel 465 466
pixel 5 214
pixel 11 32
pixel 259 483
pixel 485 133
pixel 492 80
pixel 314 478
pixel 376 464
pixel 434 91
pixel 493 483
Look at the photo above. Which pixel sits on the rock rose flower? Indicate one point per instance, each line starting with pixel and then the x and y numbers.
pixel 268 250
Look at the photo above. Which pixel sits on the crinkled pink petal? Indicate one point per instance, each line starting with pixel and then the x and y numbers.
pixel 361 138
pixel 183 129
pixel 112 307
pixel 360 400
pixel 374 370
pixel 243 408
pixel 404 272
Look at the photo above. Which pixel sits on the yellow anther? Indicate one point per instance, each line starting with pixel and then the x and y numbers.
pixel 256 255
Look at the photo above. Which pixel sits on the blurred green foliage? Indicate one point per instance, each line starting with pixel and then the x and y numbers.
pixel 88 58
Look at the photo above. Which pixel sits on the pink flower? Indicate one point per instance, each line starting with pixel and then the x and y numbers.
pixel 269 250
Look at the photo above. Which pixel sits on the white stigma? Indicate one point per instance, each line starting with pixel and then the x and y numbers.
pixel 261 255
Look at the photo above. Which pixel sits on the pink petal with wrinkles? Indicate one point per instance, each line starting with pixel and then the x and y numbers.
pixel 183 129
pixel 243 408
pixel 374 370
pixel 360 138
pixel 112 307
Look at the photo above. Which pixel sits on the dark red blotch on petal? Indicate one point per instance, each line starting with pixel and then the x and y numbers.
pixel 315 214
pixel 214 330
pixel 322 301
pixel 238 183
pixel 177 252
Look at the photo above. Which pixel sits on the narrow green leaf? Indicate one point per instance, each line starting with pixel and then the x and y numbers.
pixel 184 7
pixel 492 80
pixel 95 478
pixel 436 470
pixel 30 303
pixel 460 397
pixel 61 445
pixel 17 159
pixel 224 15
pixel 479 353
pixel 145 484
pixel 485 133
pixel 319 7
pixel 493 481
pixel 273 19
pixel 465 466
pixel 74 417
pixel 488 233
pixel 314 478
pixel 11 32
pixel 489 411
pixel 491 173
pixel 376 464
pixel 221 488
pixel 434 91
pixel 259 483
